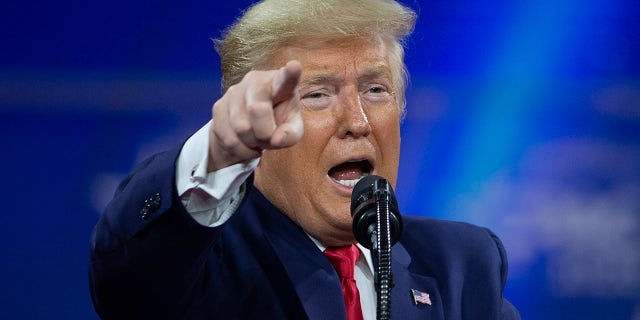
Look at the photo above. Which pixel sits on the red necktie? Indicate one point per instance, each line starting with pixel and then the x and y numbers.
pixel 344 260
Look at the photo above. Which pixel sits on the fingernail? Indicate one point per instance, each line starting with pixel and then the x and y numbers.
pixel 283 138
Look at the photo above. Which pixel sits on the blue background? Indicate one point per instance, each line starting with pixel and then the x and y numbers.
pixel 523 116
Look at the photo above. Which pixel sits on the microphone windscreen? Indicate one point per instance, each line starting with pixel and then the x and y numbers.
pixel 364 209
pixel 362 191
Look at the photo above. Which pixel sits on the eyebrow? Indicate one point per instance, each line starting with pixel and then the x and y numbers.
pixel 373 72
pixel 376 72
pixel 320 79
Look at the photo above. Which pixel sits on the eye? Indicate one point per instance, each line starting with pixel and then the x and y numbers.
pixel 376 93
pixel 377 90
pixel 314 95
pixel 316 99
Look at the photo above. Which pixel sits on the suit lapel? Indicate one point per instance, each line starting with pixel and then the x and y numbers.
pixel 402 302
pixel 310 273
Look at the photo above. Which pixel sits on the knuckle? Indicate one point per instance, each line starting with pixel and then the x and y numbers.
pixel 225 140
pixel 217 106
pixel 241 127
pixel 232 90
pixel 259 109
pixel 251 76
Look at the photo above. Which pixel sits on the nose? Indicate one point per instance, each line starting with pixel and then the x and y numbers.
pixel 353 117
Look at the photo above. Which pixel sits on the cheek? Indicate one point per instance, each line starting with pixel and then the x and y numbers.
pixel 319 127
pixel 303 158
pixel 318 121
pixel 386 126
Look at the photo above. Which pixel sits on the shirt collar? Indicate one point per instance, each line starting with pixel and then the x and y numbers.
pixel 364 252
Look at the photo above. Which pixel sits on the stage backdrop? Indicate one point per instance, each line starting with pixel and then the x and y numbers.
pixel 523 116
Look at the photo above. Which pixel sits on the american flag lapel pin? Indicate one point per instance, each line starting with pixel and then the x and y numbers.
pixel 420 297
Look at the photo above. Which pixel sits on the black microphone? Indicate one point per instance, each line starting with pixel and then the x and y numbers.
pixel 364 209
pixel 377 226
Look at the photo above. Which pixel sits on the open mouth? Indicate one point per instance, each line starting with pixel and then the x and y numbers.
pixel 350 172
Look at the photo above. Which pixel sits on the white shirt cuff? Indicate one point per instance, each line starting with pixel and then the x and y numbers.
pixel 210 198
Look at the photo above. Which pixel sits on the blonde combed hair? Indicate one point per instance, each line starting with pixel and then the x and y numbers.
pixel 270 24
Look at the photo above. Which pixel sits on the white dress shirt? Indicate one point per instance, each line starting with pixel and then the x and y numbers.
pixel 212 198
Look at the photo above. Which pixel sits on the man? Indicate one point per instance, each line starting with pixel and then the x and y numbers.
pixel 233 224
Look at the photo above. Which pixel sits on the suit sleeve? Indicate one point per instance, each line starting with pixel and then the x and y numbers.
pixel 147 252
pixel 509 312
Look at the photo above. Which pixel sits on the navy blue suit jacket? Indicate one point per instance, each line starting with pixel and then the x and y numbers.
pixel 151 260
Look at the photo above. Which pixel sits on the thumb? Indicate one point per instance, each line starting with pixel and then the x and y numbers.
pixel 290 132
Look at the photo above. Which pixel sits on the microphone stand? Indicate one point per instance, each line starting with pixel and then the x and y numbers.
pixel 381 242
pixel 373 198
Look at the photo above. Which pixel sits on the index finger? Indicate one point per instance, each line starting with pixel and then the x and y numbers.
pixel 285 82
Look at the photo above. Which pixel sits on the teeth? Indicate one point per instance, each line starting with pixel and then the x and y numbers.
pixel 351 183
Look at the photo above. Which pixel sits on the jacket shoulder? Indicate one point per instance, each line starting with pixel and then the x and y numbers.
pixel 451 233
pixel 456 246
pixel 469 261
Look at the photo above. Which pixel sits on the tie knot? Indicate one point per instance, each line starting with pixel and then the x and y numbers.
pixel 343 259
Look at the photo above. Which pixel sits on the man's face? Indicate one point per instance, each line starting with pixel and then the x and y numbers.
pixel 351 128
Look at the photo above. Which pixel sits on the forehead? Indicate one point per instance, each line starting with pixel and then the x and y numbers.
pixel 358 53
